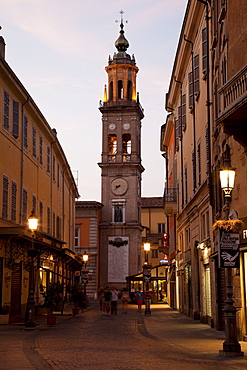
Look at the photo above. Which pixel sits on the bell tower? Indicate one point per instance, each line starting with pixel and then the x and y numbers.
pixel 121 169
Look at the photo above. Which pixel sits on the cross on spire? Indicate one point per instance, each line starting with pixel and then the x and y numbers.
pixel 121 20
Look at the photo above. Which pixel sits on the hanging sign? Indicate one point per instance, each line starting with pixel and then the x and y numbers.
pixel 229 250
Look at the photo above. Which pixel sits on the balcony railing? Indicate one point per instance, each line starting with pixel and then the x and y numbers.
pixel 170 195
pixel 233 92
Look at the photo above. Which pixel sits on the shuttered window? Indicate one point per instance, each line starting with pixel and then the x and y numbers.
pixel 34 141
pixel 25 132
pixel 186 184
pixel 5 197
pixel 13 201
pixel 24 205
pixel 184 112
pixel 177 134
pixel 196 75
pixel 199 164
pixel 204 50
pixel 40 150
pixel 48 160
pixel 194 170
pixel 34 203
pixel 48 220
pixel 191 103
pixel 15 129
pixel 41 215
pixel 6 111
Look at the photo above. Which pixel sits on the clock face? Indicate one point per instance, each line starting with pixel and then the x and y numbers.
pixel 112 126
pixel 126 126
pixel 119 186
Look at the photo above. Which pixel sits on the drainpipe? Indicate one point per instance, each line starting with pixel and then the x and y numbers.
pixel 193 107
pixel 208 104
pixel 22 161
pixel 181 140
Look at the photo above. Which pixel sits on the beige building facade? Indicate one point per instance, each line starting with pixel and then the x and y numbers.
pixel 34 177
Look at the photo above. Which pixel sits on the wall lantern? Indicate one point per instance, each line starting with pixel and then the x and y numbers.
pixel 227 177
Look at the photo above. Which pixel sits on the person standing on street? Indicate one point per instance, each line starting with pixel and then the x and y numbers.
pixel 114 299
pixel 139 298
pixel 108 297
pixel 125 299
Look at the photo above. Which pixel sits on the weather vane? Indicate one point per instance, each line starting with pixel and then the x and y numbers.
pixel 121 12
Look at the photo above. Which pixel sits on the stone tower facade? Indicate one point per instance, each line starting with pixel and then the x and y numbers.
pixel 120 228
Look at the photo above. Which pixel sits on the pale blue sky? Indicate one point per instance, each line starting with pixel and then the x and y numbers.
pixel 59 50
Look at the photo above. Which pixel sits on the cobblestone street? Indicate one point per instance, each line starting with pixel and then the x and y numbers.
pixel 125 341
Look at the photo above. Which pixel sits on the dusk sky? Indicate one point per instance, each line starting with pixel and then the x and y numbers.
pixel 59 50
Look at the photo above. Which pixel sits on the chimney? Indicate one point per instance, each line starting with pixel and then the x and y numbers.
pixel 2 47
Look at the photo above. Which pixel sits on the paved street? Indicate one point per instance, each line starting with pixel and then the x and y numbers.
pixel 164 339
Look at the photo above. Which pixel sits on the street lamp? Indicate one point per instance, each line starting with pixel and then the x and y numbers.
pixel 85 275
pixel 231 346
pixel 146 277
pixel 32 225
pixel 146 249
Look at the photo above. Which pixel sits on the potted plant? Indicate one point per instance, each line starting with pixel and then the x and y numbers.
pixel 4 314
pixel 53 296
pixel 79 299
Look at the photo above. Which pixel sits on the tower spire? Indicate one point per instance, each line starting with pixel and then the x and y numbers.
pixel 121 43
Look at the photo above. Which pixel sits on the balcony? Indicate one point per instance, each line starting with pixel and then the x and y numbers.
pixel 170 201
pixel 233 106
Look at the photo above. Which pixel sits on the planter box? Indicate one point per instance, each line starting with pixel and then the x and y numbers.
pixel 4 319
pixel 41 310
pixel 51 320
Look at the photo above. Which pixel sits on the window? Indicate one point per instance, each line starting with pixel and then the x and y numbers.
pixel 34 203
pixel 40 215
pixel 48 220
pixel 77 236
pixel 5 197
pixel 223 70
pixel 126 147
pixel 120 89
pixel 154 253
pixel 199 163
pixel 6 111
pixel 15 128
pixel 161 228
pixel 191 93
pixel 118 211
pixel 204 50
pixel 111 91
pixel 186 183
pixel 184 112
pixel 58 232
pixel 48 164
pixel 193 169
pixel 40 150
pixel 177 134
pixel 129 91
pixel 112 148
pixel 196 75
pixel 53 223
pixel 34 141
pixel 53 168
pixel 25 138
pixel 13 201
pixel 205 225
pixel 179 123
pixel 24 205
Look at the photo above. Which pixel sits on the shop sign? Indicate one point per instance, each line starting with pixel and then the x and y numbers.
pixel 229 250
pixel 146 274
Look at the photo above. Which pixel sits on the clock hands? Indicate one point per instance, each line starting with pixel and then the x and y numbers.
pixel 118 186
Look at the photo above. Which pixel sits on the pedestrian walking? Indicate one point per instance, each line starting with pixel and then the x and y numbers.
pixel 125 299
pixel 114 299
pixel 139 299
pixel 108 296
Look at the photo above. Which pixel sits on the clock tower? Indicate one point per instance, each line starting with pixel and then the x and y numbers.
pixel 121 169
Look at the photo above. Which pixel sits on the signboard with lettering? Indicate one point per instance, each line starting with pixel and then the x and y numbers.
pixel 229 250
